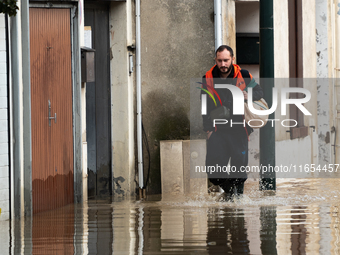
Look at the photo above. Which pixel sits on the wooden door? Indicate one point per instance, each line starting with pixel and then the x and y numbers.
pixel 51 102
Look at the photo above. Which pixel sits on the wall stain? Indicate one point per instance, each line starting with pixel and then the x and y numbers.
pixel 117 188
pixel 169 122
pixel 327 138
pixel 257 156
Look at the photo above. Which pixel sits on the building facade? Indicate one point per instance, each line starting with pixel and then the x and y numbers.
pixel 98 155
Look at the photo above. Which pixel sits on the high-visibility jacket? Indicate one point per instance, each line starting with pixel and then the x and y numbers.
pixel 237 74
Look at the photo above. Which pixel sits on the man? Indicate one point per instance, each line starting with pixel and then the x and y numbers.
pixel 227 142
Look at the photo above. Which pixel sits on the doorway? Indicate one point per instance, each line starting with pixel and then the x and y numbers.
pixel 51 108
pixel 98 103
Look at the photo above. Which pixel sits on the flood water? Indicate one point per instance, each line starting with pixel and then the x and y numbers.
pixel 301 218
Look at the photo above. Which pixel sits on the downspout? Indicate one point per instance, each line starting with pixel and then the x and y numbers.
pixel 267 133
pixel 8 115
pixel 26 83
pixel 218 23
pixel 139 101
pixel 16 115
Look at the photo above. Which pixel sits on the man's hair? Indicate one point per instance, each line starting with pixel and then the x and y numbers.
pixel 225 47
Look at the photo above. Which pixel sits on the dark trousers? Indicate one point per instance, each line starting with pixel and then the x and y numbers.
pixel 223 146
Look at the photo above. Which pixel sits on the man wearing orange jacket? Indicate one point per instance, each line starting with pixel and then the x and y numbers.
pixel 227 142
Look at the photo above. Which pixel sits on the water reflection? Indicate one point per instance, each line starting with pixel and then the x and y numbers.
pixel 302 218
pixel 227 231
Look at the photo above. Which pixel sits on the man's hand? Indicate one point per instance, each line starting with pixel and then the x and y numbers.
pixel 245 94
pixel 209 134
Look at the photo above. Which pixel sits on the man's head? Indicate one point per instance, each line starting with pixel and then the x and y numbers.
pixel 224 59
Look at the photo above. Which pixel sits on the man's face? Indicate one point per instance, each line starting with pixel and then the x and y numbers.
pixel 224 61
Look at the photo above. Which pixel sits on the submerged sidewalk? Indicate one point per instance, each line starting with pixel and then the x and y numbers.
pixel 301 218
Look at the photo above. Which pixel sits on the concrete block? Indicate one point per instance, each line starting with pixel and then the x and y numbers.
pixel 3 81
pixel 194 152
pixel 3 67
pixel 172 167
pixel 2 20
pixel 3 160
pixel 2 33
pixel 4 205
pixel 4 183
pixel 3 57
pixel 4 217
pixel 3 146
pixel 3 125
pixel 3 89
pixel 4 172
pixel 3 102
pixel 4 194
pixel 178 162
pixel 3 45
pixel 3 114
pixel 3 137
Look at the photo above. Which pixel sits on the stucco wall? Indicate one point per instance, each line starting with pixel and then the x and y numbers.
pixel 247 17
pixel 324 70
pixel 336 13
pixel 177 45
pixel 247 21
pixel 122 93
pixel 281 65
pixel 4 176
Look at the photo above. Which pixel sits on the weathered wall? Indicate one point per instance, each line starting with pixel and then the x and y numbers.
pixel 229 23
pixel 336 13
pixel 177 45
pixel 281 66
pixel 122 93
pixel 281 48
pixel 323 60
pixel 247 21
pixel 4 163
pixel 247 17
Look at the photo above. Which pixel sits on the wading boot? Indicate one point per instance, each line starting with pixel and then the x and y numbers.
pixel 227 195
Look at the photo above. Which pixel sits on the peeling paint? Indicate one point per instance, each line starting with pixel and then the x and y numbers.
pixel 323 107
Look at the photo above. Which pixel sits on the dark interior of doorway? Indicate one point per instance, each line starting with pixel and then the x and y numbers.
pixel 98 104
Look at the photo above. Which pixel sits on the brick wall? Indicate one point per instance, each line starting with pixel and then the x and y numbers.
pixel 4 176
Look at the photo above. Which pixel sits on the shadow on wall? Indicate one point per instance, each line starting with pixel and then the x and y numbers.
pixel 164 118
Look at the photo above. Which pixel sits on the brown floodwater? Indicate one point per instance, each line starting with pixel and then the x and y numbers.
pixel 301 218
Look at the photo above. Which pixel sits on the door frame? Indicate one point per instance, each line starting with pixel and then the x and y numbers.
pixel 76 104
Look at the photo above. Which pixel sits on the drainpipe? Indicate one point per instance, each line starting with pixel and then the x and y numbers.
pixel 8 116
pixel 267 133
pixel 26 83
pixel 139 101
pixel 218 23
pixel 17 163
